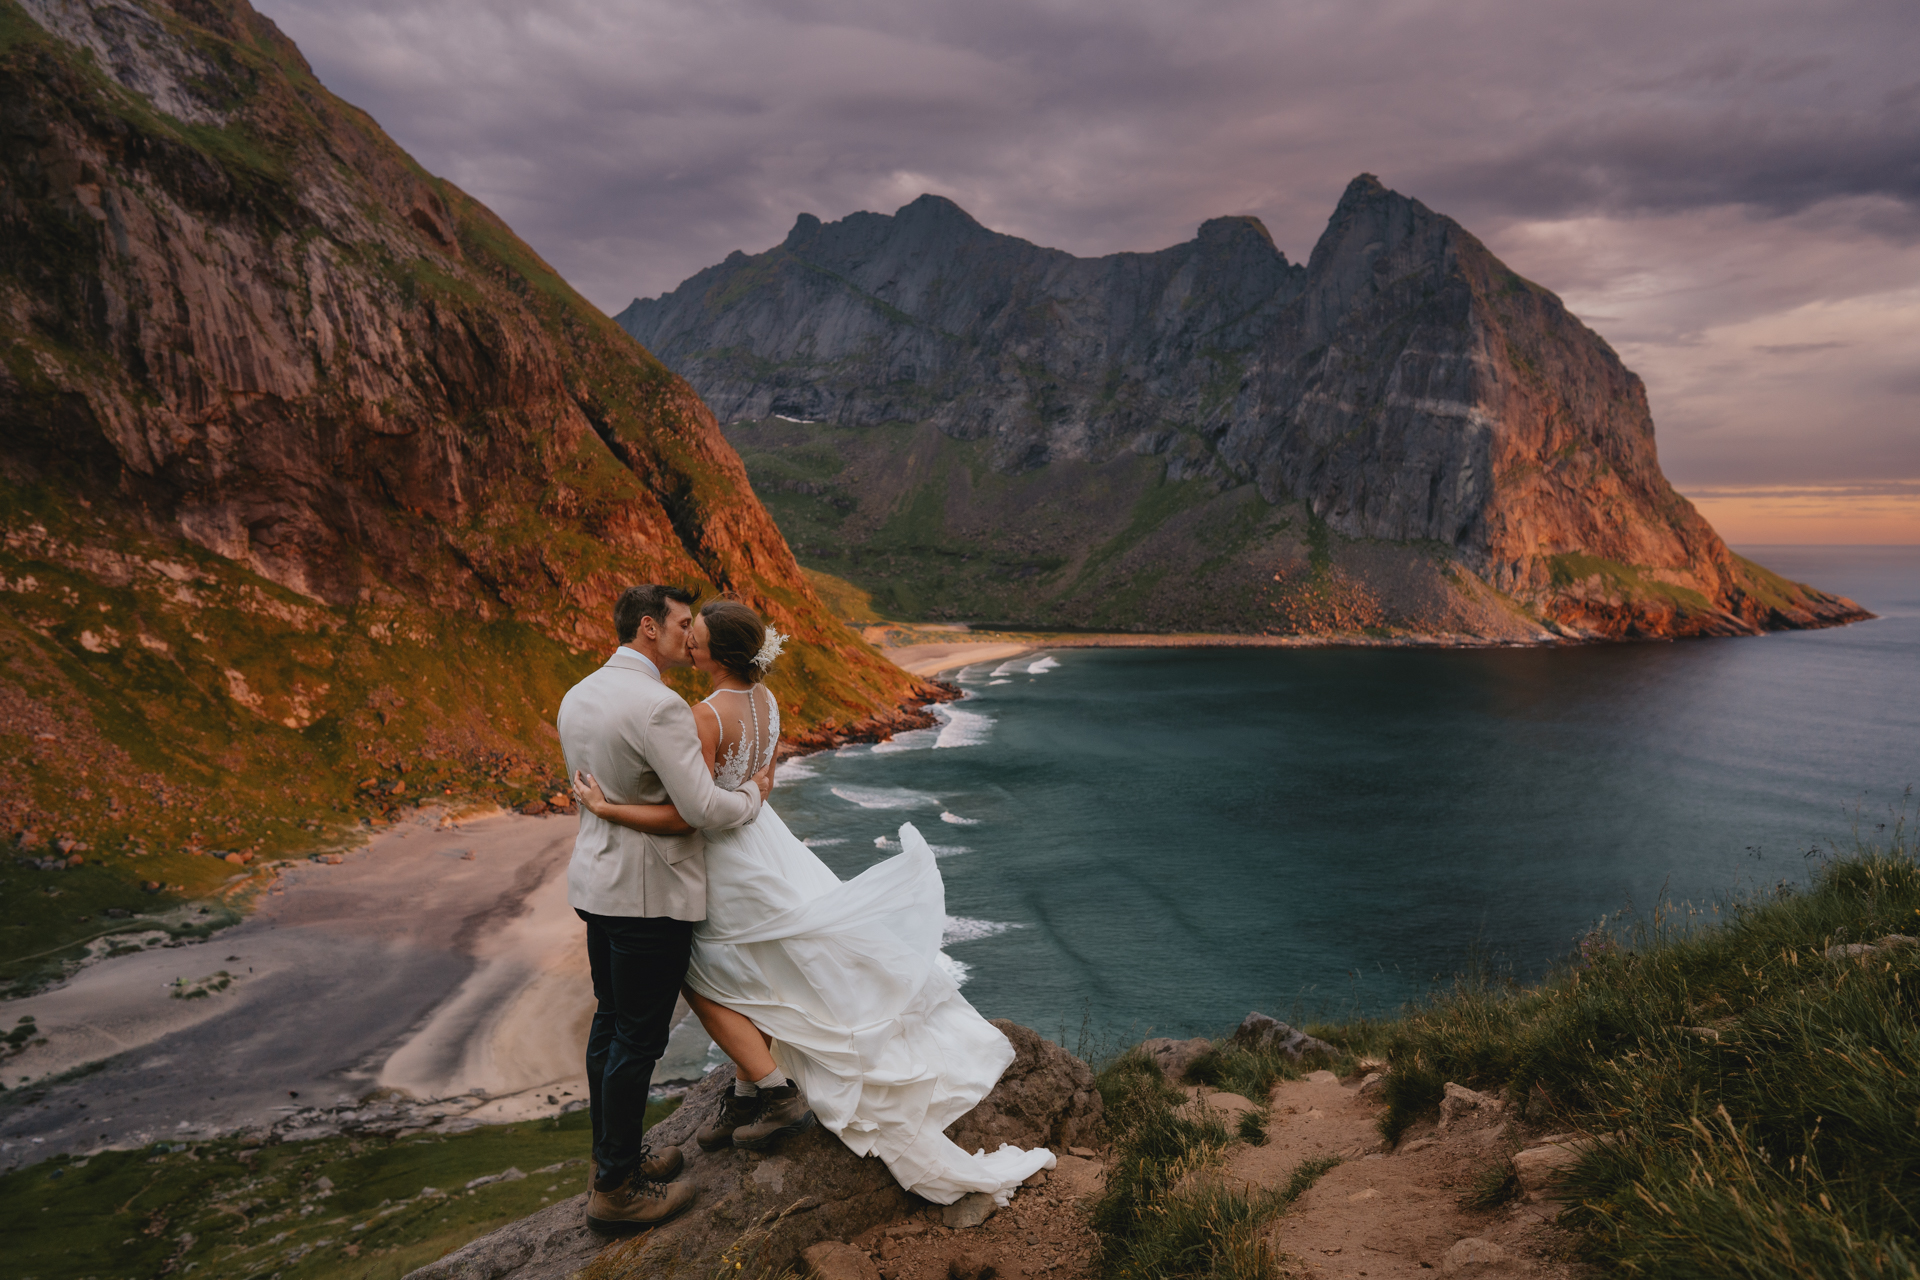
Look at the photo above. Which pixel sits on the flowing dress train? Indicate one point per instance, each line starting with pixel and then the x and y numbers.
pixel 845 977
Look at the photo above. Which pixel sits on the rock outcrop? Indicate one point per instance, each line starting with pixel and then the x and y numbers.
pixel 1270 1035
pixel 767 1210
pixel 1402 435
pixel 313 473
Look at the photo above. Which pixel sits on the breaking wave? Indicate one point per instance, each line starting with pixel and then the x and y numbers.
pixel 939 850
pixel 1043 666
pixel 962 728
pixel 966 929
pixel 885 797
pixel 957 820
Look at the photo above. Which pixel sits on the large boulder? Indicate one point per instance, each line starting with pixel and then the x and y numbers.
pixel 768 1209
pixel 1274 1036
pixel 1173 1057
pixel 1045 1099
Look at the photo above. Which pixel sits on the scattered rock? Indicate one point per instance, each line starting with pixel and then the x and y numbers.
pixel 1173 1057
pixel 1854 950
pixel 1461 1101
pixel 1085 1153
pixel 968 1211
pixel 1371 1193
pixel 1474 1257
pixel 971 1265
pixel 506 1175
pixel 1321 1077
pixel 1372 1083
pixel 1272 1035
pixel 1541 1167
pixel 1233 1104
pixel 836 1260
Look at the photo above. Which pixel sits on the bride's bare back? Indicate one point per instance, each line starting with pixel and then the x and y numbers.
pixel 749 732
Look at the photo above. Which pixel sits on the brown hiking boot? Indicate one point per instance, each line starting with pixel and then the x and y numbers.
pixel 733 1111
pixel 783 1111
pixel 636 1205
pixel 664 1167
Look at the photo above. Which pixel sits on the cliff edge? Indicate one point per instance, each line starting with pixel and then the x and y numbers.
pixel 317 484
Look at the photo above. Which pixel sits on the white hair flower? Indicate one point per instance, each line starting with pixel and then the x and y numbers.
pixel 769 650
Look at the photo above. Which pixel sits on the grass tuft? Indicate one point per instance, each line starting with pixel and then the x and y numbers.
pixel 1759 1085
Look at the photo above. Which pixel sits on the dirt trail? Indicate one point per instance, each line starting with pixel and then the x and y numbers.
pixel 1383 1214
pixel 1377 1214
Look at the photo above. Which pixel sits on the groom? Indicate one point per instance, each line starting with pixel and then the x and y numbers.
pixel 640 895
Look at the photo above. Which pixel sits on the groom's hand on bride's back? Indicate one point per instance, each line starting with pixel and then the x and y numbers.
pixel 764 781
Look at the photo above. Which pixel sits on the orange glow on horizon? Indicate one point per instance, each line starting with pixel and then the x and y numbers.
pixel 1881 514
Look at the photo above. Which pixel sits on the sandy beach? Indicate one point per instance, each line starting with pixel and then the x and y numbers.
pixel 932 659
pixel 439 961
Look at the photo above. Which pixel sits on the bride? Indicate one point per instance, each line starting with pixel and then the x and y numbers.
pixel 824 991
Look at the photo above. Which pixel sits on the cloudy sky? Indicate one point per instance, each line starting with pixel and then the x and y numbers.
pixel 1727 190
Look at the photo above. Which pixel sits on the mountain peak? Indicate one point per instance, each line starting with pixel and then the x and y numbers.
pixel 931 208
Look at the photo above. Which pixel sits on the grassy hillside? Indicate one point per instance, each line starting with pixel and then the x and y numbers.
pixel 317 483
pixel 931 532
pixel 1750 1077
pixel 368 1207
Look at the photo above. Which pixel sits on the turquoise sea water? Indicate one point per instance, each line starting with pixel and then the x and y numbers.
pixel 1167 839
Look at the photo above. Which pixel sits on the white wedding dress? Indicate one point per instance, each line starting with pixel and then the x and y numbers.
pixel 845 976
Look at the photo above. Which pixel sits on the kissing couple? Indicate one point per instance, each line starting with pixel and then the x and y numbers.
pixel 827 994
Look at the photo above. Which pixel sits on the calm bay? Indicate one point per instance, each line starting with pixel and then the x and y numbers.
pixel 1165 839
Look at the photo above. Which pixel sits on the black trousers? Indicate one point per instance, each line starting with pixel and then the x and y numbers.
pixel 638 964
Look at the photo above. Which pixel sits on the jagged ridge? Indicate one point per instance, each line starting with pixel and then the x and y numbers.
pixel 1410 413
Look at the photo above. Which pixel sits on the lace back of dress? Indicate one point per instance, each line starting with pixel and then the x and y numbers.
pixel 749 732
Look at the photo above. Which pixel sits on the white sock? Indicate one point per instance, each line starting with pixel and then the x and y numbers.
pixel 772 1080
pixel 745 1087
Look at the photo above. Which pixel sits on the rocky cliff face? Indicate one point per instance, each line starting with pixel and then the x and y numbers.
pixel 313 474
pixel 1403 435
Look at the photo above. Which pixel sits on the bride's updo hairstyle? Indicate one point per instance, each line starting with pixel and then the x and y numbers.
pixel 735 634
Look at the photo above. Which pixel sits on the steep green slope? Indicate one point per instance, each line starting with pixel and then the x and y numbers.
pixel 316 485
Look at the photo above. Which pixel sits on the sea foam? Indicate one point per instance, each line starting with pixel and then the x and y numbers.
pixel 967 929
pixel 796 769
pixel 962 728
pixel 886 797
pixel 939 850
pixel 1043 666
pixel 957 820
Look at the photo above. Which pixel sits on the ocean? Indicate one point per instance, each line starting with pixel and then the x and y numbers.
pixel 1142 841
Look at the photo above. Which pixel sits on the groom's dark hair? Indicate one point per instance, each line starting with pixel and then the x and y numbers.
pixel 646 601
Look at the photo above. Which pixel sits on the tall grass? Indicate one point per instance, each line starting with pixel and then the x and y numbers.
pixel 1765 1098
pixel 1166 1214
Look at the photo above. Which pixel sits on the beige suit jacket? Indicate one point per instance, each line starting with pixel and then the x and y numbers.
pixel 636 737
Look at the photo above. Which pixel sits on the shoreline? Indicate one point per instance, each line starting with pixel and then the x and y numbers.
pixel 432 978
